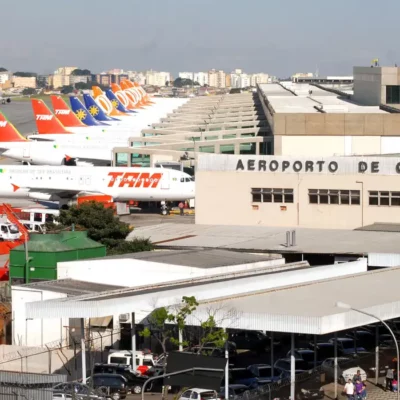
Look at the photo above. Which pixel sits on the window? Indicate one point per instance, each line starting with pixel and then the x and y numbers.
pixel 261 195
pixel 392 94
pixel 334 196
pixel 384 198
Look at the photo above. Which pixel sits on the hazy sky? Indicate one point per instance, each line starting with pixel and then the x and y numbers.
pixel 279 37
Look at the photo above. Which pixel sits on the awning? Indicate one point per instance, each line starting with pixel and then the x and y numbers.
pixel 102 322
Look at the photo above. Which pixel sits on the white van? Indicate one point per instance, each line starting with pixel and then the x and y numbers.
pixel 38 215
pixel 9 232
pixel 143 362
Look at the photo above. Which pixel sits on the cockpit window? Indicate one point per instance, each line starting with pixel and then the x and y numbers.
pixel 182 179
pixel 187 179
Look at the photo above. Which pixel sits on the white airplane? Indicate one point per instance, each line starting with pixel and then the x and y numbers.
pixel 50 129
pixel 66 184
pixel 14 146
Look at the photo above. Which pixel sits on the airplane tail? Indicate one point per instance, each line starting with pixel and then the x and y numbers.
pixel 104 102
pixel 8 132
pixel 136 85
pixel 116 103
pixel 64 113
pixel 82 113
pixel 122 97
pixel 46 122
pixel 95 110
pixel 133 94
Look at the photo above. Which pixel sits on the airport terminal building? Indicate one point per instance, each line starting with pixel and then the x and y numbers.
pixel 309 192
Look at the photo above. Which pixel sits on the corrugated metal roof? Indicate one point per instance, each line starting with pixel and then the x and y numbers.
pixel 198 258
pixel 311 307
pixel 71 287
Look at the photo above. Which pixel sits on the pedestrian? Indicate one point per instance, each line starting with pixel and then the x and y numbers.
pixel 181 208
pixel 349 389
pixel 394 385
pixel 364 391
pixel 358 389
pixel 389 379
pixel 357 377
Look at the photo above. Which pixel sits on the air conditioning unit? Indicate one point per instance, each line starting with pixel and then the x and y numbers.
pixel 125 318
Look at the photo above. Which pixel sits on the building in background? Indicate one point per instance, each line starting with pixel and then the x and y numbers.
pixel 228 80
pixel 186 75
pixel 201 78
pixel 24 82
pixel 108 79
pixel 235 80
pixel 58 81
pixel 136 76
pixel 79 79
pixel 259 78
pixel 244 80
pixel 302 75
pixel 5 80
pixel 217 78
pixel 158 78
pixel 65 70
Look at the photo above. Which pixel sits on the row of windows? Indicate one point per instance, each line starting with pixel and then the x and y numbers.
pixel 261 195
pixel 326 196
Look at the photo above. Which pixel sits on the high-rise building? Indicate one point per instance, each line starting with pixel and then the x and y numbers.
pixel 157 78
pixel 73 79
pixel 186 75
pixel 24 82
pixel 244 80
pixel 235 80
pixel 65 70
pixel 259 78
pixel 201 78
pixel 217 78
pixel 228 80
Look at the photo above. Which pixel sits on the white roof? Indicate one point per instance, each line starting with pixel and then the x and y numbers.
pixel 311 307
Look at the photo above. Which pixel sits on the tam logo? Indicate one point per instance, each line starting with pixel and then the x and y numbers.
pixel 3 124
pixel 63 112
pixel 44 117
pixel 134 179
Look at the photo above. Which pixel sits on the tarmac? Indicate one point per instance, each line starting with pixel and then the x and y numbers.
pixel 20 114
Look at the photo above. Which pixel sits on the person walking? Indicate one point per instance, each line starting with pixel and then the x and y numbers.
pixel 357 377
pixel 181 208
pixel 358 389
pixel 389 379
pixel 349 389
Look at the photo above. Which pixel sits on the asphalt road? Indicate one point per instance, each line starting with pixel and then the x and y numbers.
pixel 20 114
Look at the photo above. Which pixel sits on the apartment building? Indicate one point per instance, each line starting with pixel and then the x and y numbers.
pixel 24 82
pixel 157 78
pixel 201 78
pixel 186 75
pixel 217 78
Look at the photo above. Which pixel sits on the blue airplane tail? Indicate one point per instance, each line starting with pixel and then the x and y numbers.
pixel 95 110
pixel 82 113
pixel 116 103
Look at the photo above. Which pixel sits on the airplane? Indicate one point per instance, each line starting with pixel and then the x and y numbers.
pixel 110 105
pixel 65 184
pixel 123 98
pixel 4 100
pixel 133 94
pixel 14 146
pixel 126 84
pixel 50 128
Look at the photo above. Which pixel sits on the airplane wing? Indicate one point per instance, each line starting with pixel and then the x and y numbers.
pixel 59 193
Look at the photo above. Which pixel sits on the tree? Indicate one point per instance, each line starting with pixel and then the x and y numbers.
pixel 3 69
pixel 181 82
pixel 67 89
pixel 81 72
pixel 28 91
pixel 102 226
pixel 159 320
pixel 25 74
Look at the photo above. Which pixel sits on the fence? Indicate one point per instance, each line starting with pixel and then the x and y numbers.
pixel 62 357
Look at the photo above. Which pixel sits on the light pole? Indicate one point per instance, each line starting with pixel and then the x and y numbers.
pixel 349 307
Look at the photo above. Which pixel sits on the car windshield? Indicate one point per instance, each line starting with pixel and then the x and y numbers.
pixel 14 229
pixel 242 374
pixel 264 372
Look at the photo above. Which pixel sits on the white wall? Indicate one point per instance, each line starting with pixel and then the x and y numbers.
pixel 40 332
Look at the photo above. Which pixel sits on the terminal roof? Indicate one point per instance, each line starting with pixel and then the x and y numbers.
pixel 198 258
pixel 270 239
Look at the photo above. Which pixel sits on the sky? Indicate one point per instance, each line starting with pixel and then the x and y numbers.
pixel 278 37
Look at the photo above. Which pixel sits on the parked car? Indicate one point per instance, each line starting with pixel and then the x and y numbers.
pixel 243 376
pixel 346 346
pixel 78 390
pixel 263 372
pixel 363 338
pixel 235 392
pixel 344 373
pixel 250 340
pixel 112 386
pixel 284 364
pixel 212 351
pixel 307 355
pixel 199 394
pixel 135 381
pixel 324 350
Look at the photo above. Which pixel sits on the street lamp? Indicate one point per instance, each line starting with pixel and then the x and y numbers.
pixel 349 307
